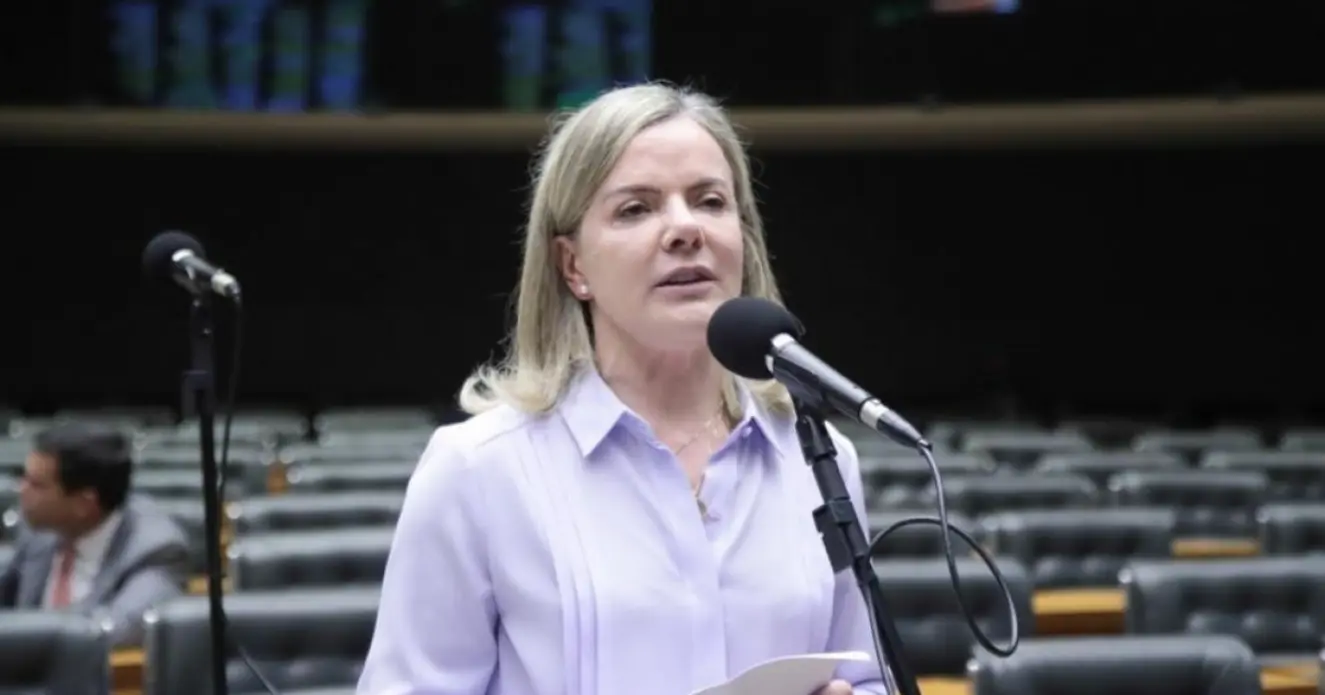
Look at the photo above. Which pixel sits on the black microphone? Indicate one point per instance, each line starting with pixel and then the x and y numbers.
pixel 756 339
pixel 180 257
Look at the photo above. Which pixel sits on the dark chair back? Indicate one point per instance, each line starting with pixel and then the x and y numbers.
pixel 299 640
pixel 935 636
pixel 1275 605
pixel 324 558
pixel 53 653
pixel 1079 547
pixel 1152 665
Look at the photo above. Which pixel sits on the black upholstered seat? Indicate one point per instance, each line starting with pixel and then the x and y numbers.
pixel 1079 547
pixel 1136 665
pixel 53 653
pixel 305 642
pixel 1275 605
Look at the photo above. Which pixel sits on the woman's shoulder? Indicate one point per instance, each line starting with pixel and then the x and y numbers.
pixel 481 437
pixel 478 433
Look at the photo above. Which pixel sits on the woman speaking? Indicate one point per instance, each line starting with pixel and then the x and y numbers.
pixel 620 516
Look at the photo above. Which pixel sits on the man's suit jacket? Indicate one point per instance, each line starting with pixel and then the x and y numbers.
pixel 145 563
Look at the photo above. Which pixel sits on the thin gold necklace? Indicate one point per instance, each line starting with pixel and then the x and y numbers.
pixel 706 428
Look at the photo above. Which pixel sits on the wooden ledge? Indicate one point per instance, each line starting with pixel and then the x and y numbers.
pixel 126 670
pixel 1164 122
pixel 1272 683
pixel 1062 612
pixel 1214 548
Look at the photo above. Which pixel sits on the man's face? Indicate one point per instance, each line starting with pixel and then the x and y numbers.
pixel 45 503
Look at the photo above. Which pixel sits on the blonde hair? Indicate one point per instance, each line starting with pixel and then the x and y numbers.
pixel 550 340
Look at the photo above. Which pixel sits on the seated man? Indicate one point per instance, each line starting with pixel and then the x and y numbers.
pixel 88 547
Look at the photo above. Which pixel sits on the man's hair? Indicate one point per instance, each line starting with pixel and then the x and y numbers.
pixel 88 457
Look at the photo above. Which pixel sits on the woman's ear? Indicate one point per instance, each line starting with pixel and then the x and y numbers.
pixel 568 263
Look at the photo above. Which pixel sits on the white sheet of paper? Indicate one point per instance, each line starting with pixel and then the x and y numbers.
pixel 788 675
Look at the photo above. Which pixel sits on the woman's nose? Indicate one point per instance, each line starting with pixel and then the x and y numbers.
pixel 683 229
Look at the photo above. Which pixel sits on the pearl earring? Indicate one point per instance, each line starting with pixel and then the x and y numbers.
pixel 584 289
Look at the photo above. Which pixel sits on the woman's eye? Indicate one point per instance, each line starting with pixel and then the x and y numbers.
pixel 632 210
pixel 714 202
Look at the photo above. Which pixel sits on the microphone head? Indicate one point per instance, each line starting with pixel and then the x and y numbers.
pixel 741 333
pixel 158 256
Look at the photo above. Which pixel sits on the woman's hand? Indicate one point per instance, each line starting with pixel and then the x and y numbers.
pixel 836 687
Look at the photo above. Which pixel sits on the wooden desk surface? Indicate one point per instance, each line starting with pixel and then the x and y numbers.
pixel 1213 548
pixel 939 685
pixel 1079 611
pixel 1309 670
pixel 126 671
pixel 1273 682
pixel 1290 679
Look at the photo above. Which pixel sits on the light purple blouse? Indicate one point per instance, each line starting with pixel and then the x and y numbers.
pixel 566 554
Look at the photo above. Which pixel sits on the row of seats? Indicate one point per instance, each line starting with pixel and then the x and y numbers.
pixel 346 538
pixel 1275 605
pixel 899 481
pixel 316 638
pixel 273 426
pixel 313 643
pixel 320 540
pixel 1087 547
pixel 1009 440
pixel 1108 434
pixel 944 433
pixel 1209 504
pixel 1055 516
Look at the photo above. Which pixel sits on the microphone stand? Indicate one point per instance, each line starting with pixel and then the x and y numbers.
pixel 200 396
pixel 845 540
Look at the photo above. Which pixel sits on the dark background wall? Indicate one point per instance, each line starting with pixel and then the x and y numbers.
pixel 1156 278
pixel 1162 280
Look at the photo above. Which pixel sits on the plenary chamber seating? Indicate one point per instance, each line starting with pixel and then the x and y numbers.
pixel 1150 665
pixel 1303 439
pixel 189 514
pixel 1100 466
pixel 1275 605
pixel 246 468
pixel 1079 547
pixel 53 653
pixel 346 477
pixel 1292 528
pixel 936 638
pixel 1191 444
pixel 1209 504
pixel 305 643
pixel 1022 449
pixel 976 496
pixel 314 558
pixel 323 511
pixel 906 481
pixel 1292 475
pixel 172 483
pixel 918 540
pixel 362 449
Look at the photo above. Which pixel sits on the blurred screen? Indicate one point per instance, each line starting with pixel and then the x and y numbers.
pixel 305 55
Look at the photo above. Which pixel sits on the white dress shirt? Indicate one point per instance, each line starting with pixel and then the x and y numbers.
pixel 89 554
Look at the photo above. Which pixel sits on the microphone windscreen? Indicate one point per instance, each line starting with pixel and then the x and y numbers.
pixel 157 256
pixel 741 333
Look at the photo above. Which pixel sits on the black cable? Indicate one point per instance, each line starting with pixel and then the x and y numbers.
pixel 942 522
pixel 228 411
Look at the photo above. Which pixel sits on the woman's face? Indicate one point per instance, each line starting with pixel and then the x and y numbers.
pixel 660 247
